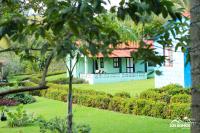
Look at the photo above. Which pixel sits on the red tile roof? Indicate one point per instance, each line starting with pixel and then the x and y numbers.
pixel 186 14
pixel 125 49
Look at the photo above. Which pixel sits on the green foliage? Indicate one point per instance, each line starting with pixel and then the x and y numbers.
pixel 66 81
pixel 123 95
pixel 181 98
pixel 116 104
pixel 82 128
pixel 21 98
pixel 178 110
pixel 153 102
pixel 170 93
pixel 150 108
pixel 59 125
pixel 20 118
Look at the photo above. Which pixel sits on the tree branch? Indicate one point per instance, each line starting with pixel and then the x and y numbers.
pixel 22 89
pixel 42 84
pixel 14 49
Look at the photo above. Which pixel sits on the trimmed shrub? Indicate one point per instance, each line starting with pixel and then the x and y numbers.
pixel 150 108
pixel 150 94
pixel 129 106
pixel 178 110
pixel 123 95
pixel 181 98
pixel 66 81
pixel 172 89
pixel 117 104
pixel 158 109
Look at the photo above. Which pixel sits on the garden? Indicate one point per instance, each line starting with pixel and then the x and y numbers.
pixel 43 41
pixel 152 108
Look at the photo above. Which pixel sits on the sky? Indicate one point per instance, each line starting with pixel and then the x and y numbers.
pixel 113 3
pixel 107 6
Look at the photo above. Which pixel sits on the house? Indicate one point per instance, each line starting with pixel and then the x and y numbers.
pixel 117 66
pixel 175 70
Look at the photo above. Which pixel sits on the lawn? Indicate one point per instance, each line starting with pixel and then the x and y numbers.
pixel 133 87
pixel 55 77
pixel 101 121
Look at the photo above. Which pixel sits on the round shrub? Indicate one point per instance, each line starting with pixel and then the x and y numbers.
pixel 181 98
pixel 178 110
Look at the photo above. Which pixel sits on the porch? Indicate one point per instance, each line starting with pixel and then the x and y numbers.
pixel 113 77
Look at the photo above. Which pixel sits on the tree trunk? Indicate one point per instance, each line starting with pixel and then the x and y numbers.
pixel 195 63
pixel 70 115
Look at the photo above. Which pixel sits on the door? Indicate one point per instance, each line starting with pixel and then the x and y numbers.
pixel 130 66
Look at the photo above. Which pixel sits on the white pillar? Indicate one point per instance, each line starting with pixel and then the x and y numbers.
pixel 86 64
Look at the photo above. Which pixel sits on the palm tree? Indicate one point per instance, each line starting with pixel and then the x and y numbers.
pixel 195 62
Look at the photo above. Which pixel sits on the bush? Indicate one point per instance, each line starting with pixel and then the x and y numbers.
pixel 123 95
pixel 117 104
pixel 66 81
pixel 21 98
pixel 149 108
pixel 178 110
pixel 172 89
pixel 142 107
pixel 83 128
pixel 181 98
pixel 150 94
pixel 158 109
pixel 59 125
pixel 129 105
pixel 100 101
pixel 20 118
pixel 153 102
pixel 8 102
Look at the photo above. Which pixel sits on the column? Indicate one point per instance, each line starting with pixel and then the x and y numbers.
pixel 86 64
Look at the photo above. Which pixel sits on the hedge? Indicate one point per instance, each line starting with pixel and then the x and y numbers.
pixel 181 98
pixel 150 103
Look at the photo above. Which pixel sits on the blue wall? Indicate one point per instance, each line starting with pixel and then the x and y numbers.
pixel 187 73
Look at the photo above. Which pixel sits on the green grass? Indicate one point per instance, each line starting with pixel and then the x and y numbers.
pixel 132 87
pixel 55 77
pixel 101 121
pixel 17 78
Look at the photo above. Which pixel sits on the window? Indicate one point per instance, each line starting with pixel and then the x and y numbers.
pixel 130 66
pixel 145 67
pixel 101 63
pixel 168 53
pixel 116 62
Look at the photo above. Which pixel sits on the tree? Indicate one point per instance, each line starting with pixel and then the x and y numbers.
pixel 70 29
pixel 195 63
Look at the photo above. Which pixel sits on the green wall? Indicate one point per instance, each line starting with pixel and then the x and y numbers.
pixel 108 66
